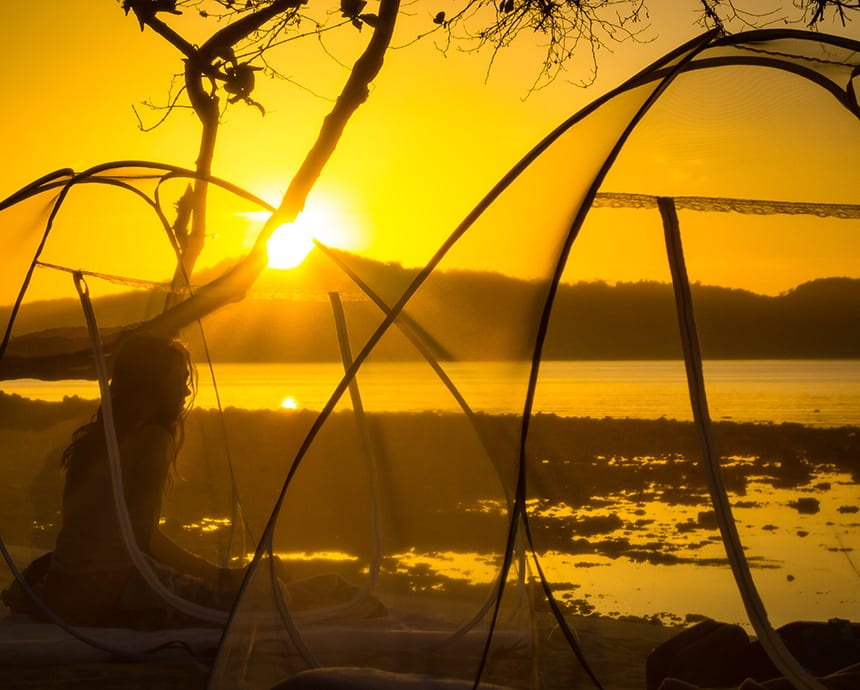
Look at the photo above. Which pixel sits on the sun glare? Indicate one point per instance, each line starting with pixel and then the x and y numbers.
pixel 289 245
pixel 292 242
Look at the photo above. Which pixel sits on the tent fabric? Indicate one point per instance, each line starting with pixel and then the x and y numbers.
pixel 439 512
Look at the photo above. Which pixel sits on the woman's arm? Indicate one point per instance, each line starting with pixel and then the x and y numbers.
pixel 148 462
pixel 166 551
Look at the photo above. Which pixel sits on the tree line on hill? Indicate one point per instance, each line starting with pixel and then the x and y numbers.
pixel 469 315
pixel 470 319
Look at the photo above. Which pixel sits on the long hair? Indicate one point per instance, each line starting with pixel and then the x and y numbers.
pixel 153 381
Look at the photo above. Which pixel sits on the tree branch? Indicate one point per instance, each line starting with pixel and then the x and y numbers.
pixel 169 35
pixel 353 95
pixel 199 64
pixel 234 32
pixel 233 285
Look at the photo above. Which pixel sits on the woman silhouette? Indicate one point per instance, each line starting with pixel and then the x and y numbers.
pixel 91 579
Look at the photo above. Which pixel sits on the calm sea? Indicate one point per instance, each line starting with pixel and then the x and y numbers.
pixel 812 392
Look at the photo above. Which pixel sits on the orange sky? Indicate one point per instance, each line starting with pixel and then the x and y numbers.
pixel 432 139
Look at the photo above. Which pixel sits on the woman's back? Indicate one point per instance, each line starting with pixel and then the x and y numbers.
pixel 90 539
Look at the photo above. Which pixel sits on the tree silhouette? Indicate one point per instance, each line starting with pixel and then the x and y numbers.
pixel 221 71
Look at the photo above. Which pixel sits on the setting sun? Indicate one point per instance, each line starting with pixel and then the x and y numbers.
pixel 292 242
pixel 289 245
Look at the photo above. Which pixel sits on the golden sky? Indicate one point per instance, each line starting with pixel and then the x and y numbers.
pixel 435 135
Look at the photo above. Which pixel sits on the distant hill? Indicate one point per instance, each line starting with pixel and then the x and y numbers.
pixel 470 313
pixel 288 317
pixel 819 319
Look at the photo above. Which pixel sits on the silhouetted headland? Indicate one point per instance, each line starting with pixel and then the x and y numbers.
pixel 284 322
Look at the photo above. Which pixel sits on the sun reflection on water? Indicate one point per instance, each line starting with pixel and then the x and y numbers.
pixel 208 524
pixel 315 556
pixel 474 568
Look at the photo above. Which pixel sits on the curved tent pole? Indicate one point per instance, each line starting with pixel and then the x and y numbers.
pixel 842 94
pixel 49 181
pixel 37 186
pixel 240 278
pixel 684 55
pixel 765 35
pixel 29 275
pixel 237 513
pixel 32 190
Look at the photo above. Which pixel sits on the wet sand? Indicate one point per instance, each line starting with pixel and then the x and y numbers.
pixel 443 466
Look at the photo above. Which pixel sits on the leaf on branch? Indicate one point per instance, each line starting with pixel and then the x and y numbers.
pixel 507 6
pixel 369 19
pixel 352 8
pixel 439 18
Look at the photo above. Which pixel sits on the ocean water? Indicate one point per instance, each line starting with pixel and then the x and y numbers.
pixel 810 392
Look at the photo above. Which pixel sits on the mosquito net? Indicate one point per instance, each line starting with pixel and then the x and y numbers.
pixel 489 470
